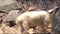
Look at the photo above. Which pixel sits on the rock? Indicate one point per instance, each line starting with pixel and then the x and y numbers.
pixel 6 5
pixel 56 21
pixel 11 16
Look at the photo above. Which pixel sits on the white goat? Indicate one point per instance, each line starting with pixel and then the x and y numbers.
pixel 34 19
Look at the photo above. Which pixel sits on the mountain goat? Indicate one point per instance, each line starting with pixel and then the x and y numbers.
pixel 33 19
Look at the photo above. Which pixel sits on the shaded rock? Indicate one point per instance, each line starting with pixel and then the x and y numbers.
pixel 56 21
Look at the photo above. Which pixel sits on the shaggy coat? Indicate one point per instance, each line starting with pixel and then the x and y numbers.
pixel 34 19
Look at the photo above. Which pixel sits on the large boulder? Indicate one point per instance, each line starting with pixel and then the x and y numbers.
pixel 11 16
pixel 6 5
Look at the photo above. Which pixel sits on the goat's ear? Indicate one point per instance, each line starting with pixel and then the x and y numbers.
pixel 52 10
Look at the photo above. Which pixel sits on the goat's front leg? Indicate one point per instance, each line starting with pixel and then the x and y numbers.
pixel 26 27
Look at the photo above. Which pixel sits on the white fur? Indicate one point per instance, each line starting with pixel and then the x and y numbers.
pixel 28 18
